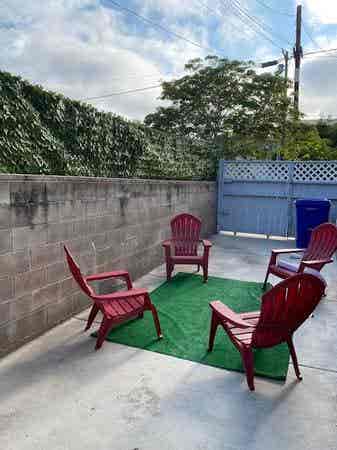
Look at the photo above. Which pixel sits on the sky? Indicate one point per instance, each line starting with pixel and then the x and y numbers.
pixel 92 48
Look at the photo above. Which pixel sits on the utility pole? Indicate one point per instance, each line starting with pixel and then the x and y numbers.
pixel 286 61
pixel 298 54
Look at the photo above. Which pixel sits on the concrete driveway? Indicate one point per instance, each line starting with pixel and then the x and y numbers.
pixel 57 393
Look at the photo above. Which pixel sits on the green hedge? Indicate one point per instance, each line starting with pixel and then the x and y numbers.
pixel 42 132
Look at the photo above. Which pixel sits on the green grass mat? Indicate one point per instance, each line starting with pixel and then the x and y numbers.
pixel 184 315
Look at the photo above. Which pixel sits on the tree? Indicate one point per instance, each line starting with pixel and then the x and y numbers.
pixel 221 101
pixel 304 143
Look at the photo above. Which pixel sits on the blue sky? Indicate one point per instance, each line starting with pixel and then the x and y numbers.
pixel 89 48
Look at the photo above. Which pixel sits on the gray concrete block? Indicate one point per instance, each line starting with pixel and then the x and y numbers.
pixel 4 193
pixel 6 288
pixel 4 312
pixel 30 281
pixel 59 232
pixel 14 263
pixel 57 272
pixel 46 295
pixel 67 288
pixel 5 241
pixel 21 307
pixel 5 216
pixel 81 301
pixel 84 227
pixel 59 311
pixel 24 237
pixel 27 327
pixel 45 254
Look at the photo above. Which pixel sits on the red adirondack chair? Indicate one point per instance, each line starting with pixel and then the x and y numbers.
pixel 284 308
pixel 116 307
pixel 182 248
pixel 322 245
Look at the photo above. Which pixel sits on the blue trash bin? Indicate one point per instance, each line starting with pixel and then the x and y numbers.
pixel 310 212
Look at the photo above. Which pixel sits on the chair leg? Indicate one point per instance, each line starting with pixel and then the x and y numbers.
pixel 294 358
pixel 214 326
pixel 141 315
pixel 265 280
pixel 169 270
pixel 248 362
pixel 92 315
pixel 198 268
pixel 205 272
pixel 156 321
pixel 103 331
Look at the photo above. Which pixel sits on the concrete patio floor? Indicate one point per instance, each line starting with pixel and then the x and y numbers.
pixel 57 393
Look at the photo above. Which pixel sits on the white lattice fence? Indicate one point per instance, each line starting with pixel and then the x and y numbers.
pixel 258 196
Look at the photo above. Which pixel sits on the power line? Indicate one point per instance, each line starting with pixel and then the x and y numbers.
pixel 309 35
pixel 261 24
pixel 253 23
pixel 157 25
pixel 328 50
pixel 219 13
pixel 276 11
pixel 131 91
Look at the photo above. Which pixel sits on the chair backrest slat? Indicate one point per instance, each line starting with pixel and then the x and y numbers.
pixel 285 307
pixel 323 242
pixel 185 234
pixel 77 274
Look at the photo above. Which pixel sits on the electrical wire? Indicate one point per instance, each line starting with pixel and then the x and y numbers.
pixel 131 91
pixel 157 25
pixel 222 14
pixel 328 50
pixel 276 11
pixel 260 24
pixel 252 24
pixel 309 35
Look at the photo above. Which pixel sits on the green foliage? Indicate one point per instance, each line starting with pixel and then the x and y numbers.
pixel 305 143
pixel 224 101
pixel 46 133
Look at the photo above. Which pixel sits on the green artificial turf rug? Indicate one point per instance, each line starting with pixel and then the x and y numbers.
pixel 184 314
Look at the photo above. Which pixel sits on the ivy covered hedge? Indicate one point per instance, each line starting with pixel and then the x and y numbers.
pixel 42 132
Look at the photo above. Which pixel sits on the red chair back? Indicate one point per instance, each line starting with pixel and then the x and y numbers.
pixel 185 234
pixel 76 272
pixel 323 243
pixel 285 307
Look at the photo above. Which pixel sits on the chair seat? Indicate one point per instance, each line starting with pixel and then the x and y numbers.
pixel 186 259
pixel 244 335
pixel 281 271
pixel 121 308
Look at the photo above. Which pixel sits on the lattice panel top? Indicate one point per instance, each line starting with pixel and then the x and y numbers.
pixel 256 171
pixel 316 171
pixel 308 171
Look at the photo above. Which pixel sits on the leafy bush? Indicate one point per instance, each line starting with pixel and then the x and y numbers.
pixel 42 132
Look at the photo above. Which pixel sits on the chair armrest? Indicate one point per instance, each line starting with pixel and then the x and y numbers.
pixel 206 243
pixel 106 275
pixel 279 251
pixel 120 295
pixel 167 243
pixel 315 262
pixel 229 315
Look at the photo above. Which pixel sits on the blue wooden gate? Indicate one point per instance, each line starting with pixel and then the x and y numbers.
pixel 258 196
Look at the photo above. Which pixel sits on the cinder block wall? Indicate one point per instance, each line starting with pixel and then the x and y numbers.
pixel 125 219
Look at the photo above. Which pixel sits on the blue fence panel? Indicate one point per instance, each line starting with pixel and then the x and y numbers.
pixel 258 196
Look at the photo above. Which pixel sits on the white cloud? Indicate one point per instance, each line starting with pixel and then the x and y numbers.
pixel 324 11
pixel 82 49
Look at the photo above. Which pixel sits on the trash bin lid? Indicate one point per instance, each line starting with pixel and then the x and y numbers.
pixel 312 202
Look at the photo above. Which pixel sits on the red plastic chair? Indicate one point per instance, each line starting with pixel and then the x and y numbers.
pixel 322 245
pixel 284 308
pixel 182 248
pixel 116 307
